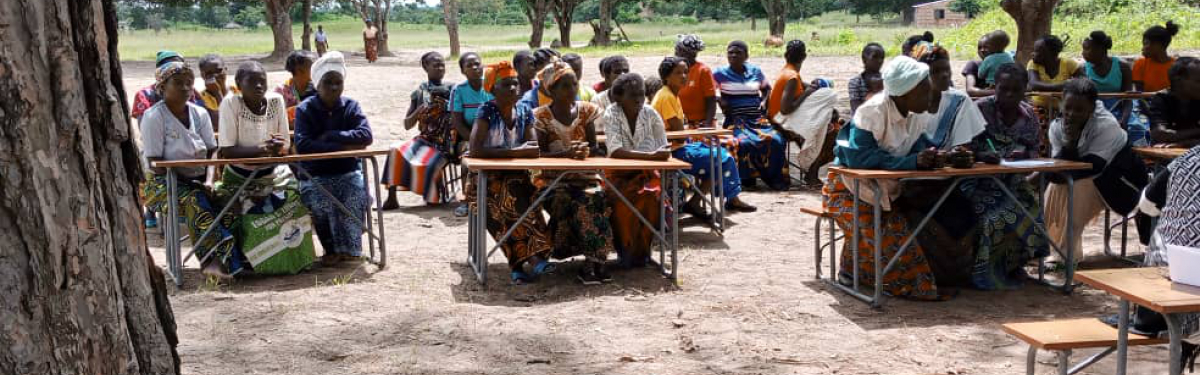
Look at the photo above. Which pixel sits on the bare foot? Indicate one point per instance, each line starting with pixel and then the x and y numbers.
pixel 214 270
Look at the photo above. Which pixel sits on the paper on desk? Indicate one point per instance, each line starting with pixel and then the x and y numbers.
pixel 1025 163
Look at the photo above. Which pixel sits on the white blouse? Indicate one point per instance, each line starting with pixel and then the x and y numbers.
pixel 241 127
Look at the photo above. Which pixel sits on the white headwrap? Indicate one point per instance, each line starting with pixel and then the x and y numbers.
pixel 902 74
pixel 332 61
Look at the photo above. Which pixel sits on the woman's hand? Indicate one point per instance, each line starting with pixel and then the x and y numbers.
pixel 926 159
pixel 580 150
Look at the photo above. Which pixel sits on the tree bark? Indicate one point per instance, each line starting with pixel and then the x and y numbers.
pixel 777 12
pixel 1034 18
pixel 281 27
pixel 306 43
pixel 80 295
pixel 564 14
pixel 450 12
pixel 603 27
pixel 535 12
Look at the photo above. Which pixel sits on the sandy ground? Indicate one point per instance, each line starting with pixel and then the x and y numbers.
pixel 746 303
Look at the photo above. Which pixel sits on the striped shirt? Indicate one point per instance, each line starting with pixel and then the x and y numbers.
pixel 741 92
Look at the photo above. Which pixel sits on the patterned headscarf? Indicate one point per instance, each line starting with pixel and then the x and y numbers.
pixel 496 72
pixel 920 49
pixel 690 42
pixel 554 72
pixel 166 71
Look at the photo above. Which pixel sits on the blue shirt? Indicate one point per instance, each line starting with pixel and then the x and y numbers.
pixel 498 134
pixel 466 100
pixel 742 92
pixel 530 98
pixel 320 130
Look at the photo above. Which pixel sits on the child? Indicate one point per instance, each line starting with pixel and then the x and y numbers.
pixel 1150 71
pixel 300 86
pixel 465 101
pixel 421 160
pixel 212 70
pixel 997 41
pixel 860 86
pixel 653 85
pixel 576 62
pixel 611 68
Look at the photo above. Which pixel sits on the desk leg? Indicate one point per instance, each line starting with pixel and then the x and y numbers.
pixel 369 225
pixel 1175 329
pixel 170 226
pixel 877 300
pixel 1122 336
pixel 857 229
pixel 1068 278
pixel 674 228
pixel 719 184
pixel 481 227
pixel 378 211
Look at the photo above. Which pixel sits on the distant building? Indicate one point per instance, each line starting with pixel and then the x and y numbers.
pixel 935 14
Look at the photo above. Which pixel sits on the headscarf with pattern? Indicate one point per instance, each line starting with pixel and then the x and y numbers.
pixel 920 49
pixel 690 42
pixel 496 72
pixel 166 71
pixel 554 72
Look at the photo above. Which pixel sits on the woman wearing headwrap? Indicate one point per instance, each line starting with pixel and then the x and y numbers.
pixel 176 129
pixel 579 214
pixel 762 152
pixel 417 165
pixel 330 122
pixel 885 134
pixel 953 119
pixel 147 97
pixel 255 125
pixel 504 129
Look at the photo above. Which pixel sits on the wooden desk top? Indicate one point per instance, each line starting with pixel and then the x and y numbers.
pixel 1105 95
pixel 572 164
pixel 979 169
pixel 1145 286
pixel 270 160
pixel 1159 153
pixel 684 134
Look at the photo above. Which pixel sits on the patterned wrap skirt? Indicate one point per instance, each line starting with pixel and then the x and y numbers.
pixel 632 238
pixel 337 232
pixel 198 212
pixel 579 221
pixel 510 194
pixel 765 159
pixel 416 166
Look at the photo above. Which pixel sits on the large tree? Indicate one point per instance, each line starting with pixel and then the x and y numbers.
pixel 602 26
pixel 305 43
pixel 80 294
pixel 535 12
pixel 564 14
pixel 450 13
pixel 777 14
pixel 280 20
pixel 1033 19
pixel 376 12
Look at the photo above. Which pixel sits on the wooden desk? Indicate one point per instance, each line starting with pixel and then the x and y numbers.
pixel 684 134
pixel 1105 95
pixel 1160 153
pixel 1149 288
pixel 478 250
pixel 980 169
pixel 954 176
pixel 175 257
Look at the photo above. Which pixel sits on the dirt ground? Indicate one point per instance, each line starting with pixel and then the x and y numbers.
pixel 746 303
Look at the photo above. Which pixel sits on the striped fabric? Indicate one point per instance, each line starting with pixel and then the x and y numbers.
pixel 416 166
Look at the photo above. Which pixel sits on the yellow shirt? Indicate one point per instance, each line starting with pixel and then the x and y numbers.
pixel 1066 70
pixel 668 105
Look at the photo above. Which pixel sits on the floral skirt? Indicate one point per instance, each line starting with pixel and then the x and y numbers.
pixel 579 221
pixel 198 212
pixel 765 159
pixel 510 194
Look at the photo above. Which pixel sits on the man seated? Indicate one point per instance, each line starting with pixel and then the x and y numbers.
pixel 1175 112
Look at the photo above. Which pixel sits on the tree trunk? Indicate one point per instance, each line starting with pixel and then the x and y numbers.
pixel 777 12
pixel 450 12
pixel 753 24
pixel 564 14
pixel 383 9
pixel 535 12
pixel 603 28
pixel 305 39
pixel 79 293
pixel 281 27
pixel 1033 19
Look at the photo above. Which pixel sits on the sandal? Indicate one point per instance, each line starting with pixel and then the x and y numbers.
pixel 521 278
pixel 544 268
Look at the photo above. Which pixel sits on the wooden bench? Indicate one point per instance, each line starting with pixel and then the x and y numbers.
pixel 818 246
pixel 1063 336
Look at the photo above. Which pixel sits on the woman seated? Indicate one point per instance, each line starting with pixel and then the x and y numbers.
pixel 1005 238
pixel 953 119
pixel 1175 113
pixel 299 86
pixel 762 152
pixel 566 128
pixel 885 134
pixel 256 125
pixel 176 129
pixel 330 122
pixel 504 129
pixel 1151 71
pixel 803 113
pixel 673 71
pixel 1109 74
pixel 1048 71
pixel 417 165
pixel 634 131
pixel 1087 132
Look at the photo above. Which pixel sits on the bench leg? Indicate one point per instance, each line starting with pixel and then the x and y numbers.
pixel 1031 361
pixel 817 244
pixel 1064 362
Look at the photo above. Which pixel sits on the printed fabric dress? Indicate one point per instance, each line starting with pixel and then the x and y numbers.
pixel 510 193
pixel 579 213
pixel 1006 238
pixel 761 151
pixel 417 165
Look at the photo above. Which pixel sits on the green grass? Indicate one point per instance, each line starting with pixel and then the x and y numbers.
pixel 840 35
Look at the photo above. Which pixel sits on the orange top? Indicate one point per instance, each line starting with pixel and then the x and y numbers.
pixel 775 102
pixel 700 86
pixel 1152 74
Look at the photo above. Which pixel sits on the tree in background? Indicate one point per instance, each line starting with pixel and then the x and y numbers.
pixel 971 8
pixel 535 12
pixel 777 12
pixel 1034 18
pixel 450 10
pixel 602 27
pixel 376 13
pixel 564 14
pixel 280 21
pixel 81 295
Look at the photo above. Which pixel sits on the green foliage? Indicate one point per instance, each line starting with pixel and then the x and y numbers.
pixel 250 16
pixel 972 7
pixel 1125 24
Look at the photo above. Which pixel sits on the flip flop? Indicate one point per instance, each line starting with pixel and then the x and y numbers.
pixel 544 268
pixel 521 278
